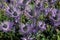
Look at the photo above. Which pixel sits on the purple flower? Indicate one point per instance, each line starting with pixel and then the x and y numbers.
pixel 56 23
pixel 34 28
pixel 54 12
pixel 13 12
pixel 41 25
pixel 25 28
pixel 28 15
pixel 51 11
pixel 53 15
pixel 40 5
pixel 6 26
pixel 16 13
pixel 56 20
pixel 47 10
pixel 28 8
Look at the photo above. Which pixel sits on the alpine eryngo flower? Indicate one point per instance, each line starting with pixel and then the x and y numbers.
pixel 6 26
pixel 28 15
pixel 47 10
pixel 13 12
pixel 41 25
pixel 35 30
pixel 54 12
pixel 54 15
pixel 28 8
pixel 56 23
pixel 25 28
pixel 40 5
pixel 16 13
pixel 20 7
pixel 57 19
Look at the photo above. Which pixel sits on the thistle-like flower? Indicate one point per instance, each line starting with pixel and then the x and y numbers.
pixel 12 12
pixel 54 12
pixel 6 26
pixel 41 25
pixel 25 28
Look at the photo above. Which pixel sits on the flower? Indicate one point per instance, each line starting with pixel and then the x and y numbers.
pixel 41 25
pixel 13 12
pixel 56 20
pixel 34 27
pixel 6 26
pixel 47 10
pixel 54 12
pixel 56 23
pixel 25 28
pixel 27 14
pixel 21 7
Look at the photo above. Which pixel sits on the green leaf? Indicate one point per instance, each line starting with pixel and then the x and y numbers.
pixel 58 38
pixel 32 5
pixel 3 16
pixel 41 17
pixel 45 4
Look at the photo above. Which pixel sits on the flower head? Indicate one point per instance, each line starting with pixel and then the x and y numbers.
pixel 25 28
pixel 42 25
pixel 6 26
